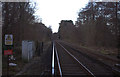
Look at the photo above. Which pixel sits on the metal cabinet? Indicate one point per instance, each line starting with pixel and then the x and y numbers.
pixel 28 50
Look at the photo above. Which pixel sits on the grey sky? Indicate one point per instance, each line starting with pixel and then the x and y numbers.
pixel 53 11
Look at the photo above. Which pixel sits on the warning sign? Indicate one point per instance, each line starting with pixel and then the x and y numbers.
pixel 8 39
pixel 8 52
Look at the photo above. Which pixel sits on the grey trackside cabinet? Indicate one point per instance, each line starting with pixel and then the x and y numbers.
pixel 28 50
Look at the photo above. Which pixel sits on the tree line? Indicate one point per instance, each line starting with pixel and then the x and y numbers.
pixel 98 24
pixel 18 19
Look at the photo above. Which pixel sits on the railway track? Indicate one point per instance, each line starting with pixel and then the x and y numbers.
pixel 71 63
pixel 107 62
pixel 107 58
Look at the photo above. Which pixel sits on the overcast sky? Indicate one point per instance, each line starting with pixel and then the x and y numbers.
pixel 53 11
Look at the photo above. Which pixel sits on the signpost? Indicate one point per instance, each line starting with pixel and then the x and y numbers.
pixel 8 39
pixel 8 50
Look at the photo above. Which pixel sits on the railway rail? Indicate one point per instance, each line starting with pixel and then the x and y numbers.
pixel 108 62
pixel 71 63
pixel 107 58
